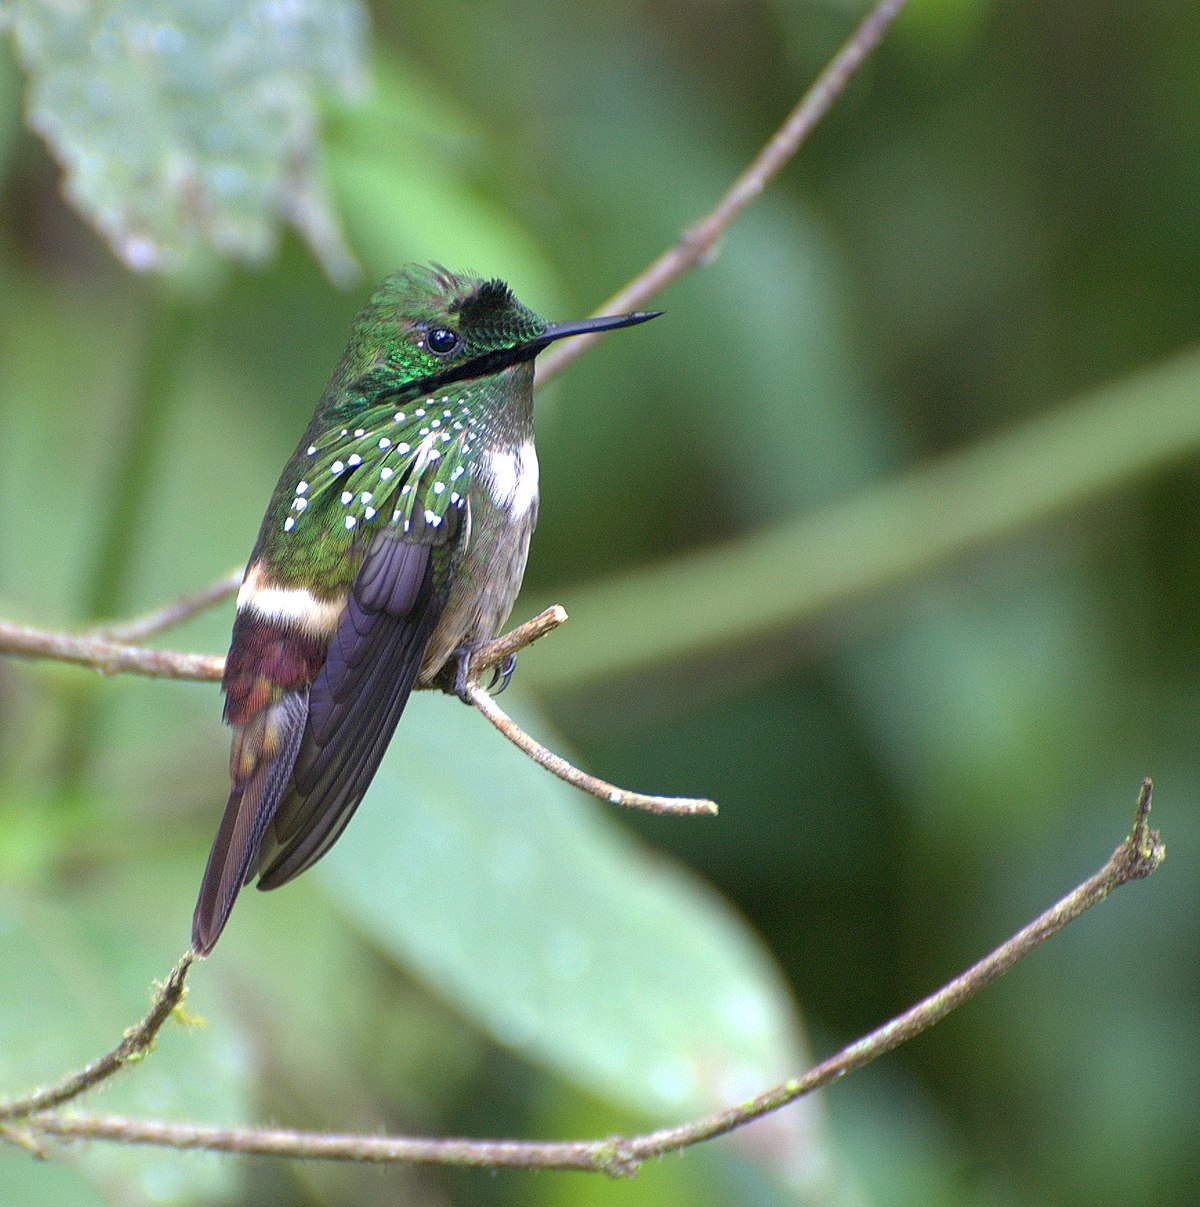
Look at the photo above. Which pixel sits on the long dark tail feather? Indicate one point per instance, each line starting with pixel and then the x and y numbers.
pixel 331 776
pixel 356 700
pixel 276 732
pixel 341 791
pixel 316 751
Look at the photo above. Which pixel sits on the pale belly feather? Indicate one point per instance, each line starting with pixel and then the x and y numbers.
pixel 503 514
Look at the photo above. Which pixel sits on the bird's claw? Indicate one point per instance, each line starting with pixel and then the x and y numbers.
pixel 502 674
pixel 463 677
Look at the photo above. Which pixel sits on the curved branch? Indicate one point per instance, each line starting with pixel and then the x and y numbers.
pixel 1138 856
pixel 685 806
pixel 496 652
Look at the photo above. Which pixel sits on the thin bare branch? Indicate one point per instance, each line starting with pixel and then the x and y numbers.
pixel 108 657
pixel 1138 856
pixel 698 242
pixel 283 1142
pixel 496 652
pixel 176 612
pixel 501 648
pixel 136 1042
pixel 115 657
pixel 554 763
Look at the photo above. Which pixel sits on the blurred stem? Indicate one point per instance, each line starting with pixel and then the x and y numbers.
pixel 137 445
pixel 767 582
pixel 137 438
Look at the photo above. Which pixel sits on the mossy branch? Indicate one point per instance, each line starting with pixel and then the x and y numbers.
pixel 135 1043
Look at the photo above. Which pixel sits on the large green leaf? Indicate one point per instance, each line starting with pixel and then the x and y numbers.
pixel 184 127
pixel 526 905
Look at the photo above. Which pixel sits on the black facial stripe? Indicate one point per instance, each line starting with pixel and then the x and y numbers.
pixel 479 366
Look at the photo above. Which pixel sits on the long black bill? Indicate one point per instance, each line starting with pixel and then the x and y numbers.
pixel 493 362
pixel 588 326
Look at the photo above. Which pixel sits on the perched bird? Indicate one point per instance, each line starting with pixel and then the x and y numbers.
pixel 395 541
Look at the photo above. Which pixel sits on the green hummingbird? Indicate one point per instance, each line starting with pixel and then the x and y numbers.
pixel 394 543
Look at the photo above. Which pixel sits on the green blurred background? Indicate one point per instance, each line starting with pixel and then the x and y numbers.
pixel 886 537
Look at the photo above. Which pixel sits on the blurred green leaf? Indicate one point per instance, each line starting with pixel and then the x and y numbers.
pixel 537 916
pixel 403 167
pixel 34 1183
pixel 71 980
pixel 791 573
pixel 904 1153
pixel 186 128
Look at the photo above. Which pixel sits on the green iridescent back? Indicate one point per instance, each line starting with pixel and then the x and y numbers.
pixel 405 466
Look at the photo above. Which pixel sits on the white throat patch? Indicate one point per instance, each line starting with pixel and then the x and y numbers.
pixel 512 478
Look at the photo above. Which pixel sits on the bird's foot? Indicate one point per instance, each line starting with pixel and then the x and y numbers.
pixel 462 671
pixel 502 674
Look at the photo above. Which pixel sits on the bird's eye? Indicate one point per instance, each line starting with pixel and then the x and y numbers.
pixel 441 340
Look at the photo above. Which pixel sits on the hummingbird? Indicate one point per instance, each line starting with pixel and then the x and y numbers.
pixel 392 548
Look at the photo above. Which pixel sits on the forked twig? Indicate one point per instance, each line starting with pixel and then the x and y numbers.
pixel 501 648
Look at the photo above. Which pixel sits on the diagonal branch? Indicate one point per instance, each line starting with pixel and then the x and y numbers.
pixel 683 806
pixel 1137 857
pixel 696 243
pixel 136 1042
